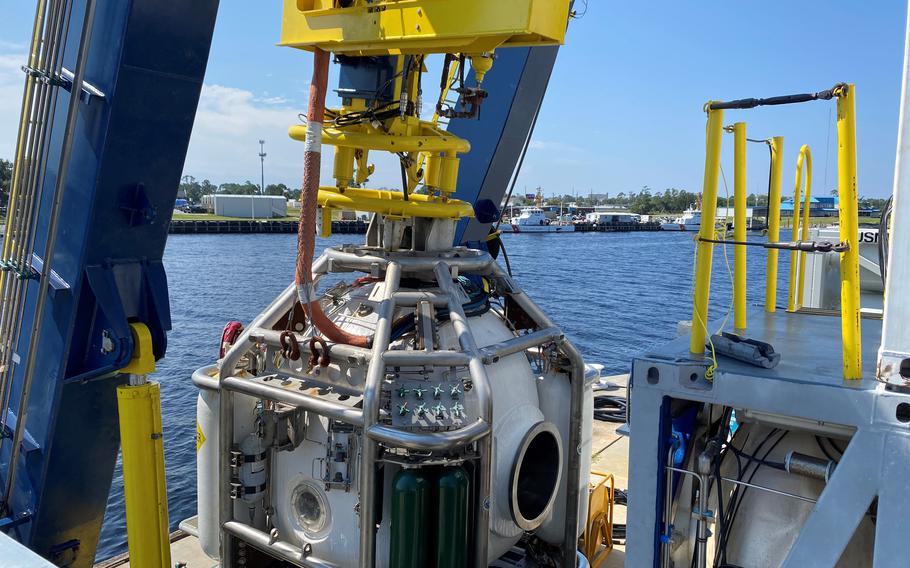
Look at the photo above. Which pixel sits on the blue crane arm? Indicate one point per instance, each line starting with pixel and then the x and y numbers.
pixel 516 85
pixel 143 71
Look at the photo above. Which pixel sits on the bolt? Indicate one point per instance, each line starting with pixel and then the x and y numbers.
pixel 437 392
pixel 421 409
pixel 418 392
pixel 403 392
pixel 455 391
pixel 439 410
pixel 403 409
pixel 457 410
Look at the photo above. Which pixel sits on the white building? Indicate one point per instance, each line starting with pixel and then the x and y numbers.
pixel 247 206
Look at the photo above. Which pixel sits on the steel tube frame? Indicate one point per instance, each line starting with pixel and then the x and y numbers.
pixel 430 441
pixel 426 359
pixel 493 353
pixel 320 406
pixel 739 226
pixel 705 254
pixel 484 395
pixel 371 400
pixel 469 260
pixel 777 160
pixel 283 550
pixel 804 236
pixel 576 405
pixel 849 231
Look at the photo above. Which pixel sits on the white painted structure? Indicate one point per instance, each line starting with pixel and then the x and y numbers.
pixel 246 206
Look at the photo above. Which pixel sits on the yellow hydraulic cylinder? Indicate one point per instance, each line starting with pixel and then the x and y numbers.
pixel 739 225
pixel 777 158
pixel 798 259
pixel 849 231
pixel 715 130
pixel 145 493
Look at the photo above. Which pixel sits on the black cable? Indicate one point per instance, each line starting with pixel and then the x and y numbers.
pixel 505 256
pixel 610 408
pixel 883 240
pixel 404 178
pixel 824 450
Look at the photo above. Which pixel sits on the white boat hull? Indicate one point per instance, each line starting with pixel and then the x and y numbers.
pixel 679 227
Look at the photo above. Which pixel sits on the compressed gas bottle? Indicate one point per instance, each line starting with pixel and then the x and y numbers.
pixel 410 542
pixel 452 520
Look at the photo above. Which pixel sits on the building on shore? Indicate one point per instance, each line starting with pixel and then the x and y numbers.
pixel 246 206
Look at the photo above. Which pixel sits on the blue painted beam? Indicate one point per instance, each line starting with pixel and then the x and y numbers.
pixel 148 58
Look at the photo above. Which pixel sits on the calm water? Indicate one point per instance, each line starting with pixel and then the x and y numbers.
pixel 613 294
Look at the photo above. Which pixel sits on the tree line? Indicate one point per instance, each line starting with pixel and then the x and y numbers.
pixel 194 190
pixel 671 200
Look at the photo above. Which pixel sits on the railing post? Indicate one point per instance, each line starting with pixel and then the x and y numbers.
pixel 849 231
pixel 703 261
pixel 739 225
pixel 805 231
pixel 797 259
pixel 777 158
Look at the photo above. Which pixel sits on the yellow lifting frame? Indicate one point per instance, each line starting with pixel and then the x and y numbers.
pixel 715 129
pixel 777 172
pixel 800 231
pixel 433 140
pixel 849 231
pixel 392 203
pixel 739 226
pixel 392 27
pixel 142 446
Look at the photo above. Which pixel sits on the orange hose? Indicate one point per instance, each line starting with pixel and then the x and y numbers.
pixel 306 232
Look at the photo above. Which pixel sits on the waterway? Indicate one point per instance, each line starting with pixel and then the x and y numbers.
pixel 614 294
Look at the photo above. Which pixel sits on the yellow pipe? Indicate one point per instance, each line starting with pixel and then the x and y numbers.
pixel 805 229
pixel 777 158
pixel 145 493
pixel 800 231
pixel 436 141
pixel 849 232
pixel 739 225
pixel 714 134
pixel 392 203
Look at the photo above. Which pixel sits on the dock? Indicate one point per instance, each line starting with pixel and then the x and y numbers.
pixel 241 226
pixel 616 227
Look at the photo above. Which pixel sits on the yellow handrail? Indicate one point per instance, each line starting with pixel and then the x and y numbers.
pixel 739 225
pixel 798 259
pixel 715 129
pixel 849 231
pixel 777 158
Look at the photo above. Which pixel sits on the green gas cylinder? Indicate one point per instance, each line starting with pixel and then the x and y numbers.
pixel 453 529
pixel 411 543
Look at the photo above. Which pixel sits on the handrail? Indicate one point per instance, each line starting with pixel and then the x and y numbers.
pixel 848 222
pixel 739 225
pixel 777 161
pixel 801 193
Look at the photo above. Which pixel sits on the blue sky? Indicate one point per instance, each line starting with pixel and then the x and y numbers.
pixel 624 105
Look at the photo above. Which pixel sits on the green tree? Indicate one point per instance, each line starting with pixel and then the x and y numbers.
pixel 6 181
pixel 247 188
pixel 191 188
pixel 276 189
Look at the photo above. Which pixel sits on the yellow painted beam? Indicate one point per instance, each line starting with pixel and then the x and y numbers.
pixel 777 159
pixel 739 225
pixel 392 27
pixel 433 141
pixel 849 232
pixel 801 191
pixel 715 129
pixel 392 203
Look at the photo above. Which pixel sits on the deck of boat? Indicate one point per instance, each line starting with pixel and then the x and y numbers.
pixel 610 455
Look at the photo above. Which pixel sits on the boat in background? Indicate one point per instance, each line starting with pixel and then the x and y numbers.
pixel 689 221
pixel 534 220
